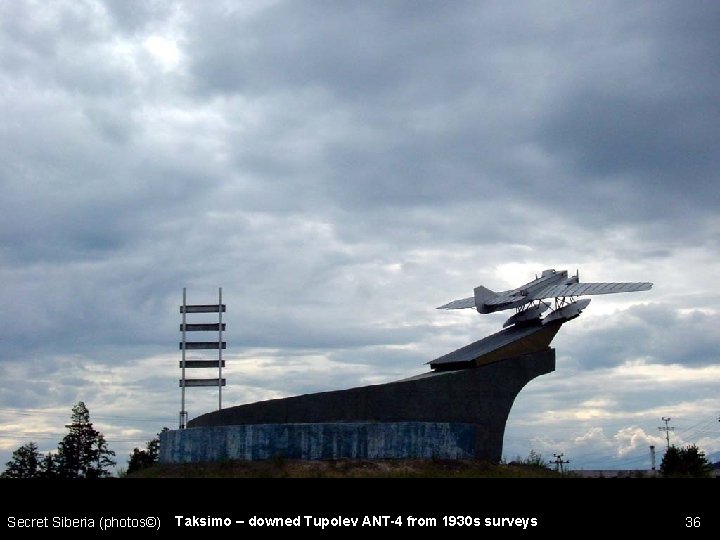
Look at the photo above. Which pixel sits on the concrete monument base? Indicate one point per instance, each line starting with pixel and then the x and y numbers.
pixel 441 414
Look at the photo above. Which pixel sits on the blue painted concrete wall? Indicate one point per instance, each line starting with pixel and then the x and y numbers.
pixel 392 440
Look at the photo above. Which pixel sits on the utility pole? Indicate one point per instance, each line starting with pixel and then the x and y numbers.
pixel 559 462
pixel 667 430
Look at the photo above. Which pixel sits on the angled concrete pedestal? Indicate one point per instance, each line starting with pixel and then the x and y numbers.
pixel 443 414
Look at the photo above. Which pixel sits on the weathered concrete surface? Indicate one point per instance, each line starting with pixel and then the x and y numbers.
pixel 319 441
pixel 481 396
pixel 509 343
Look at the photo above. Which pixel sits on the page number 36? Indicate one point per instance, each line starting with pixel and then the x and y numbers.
pixel 692 521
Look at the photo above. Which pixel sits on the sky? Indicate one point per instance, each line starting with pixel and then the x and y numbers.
pixel 340 169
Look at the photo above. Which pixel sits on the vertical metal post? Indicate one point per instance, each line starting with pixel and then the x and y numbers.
pixel 220 340
pixel 183 414
pixel 191 345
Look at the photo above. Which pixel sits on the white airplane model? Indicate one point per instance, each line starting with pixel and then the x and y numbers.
pixel 529 299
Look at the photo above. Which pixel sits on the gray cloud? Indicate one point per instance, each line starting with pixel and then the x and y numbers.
pixel 652 333
pixel 490 105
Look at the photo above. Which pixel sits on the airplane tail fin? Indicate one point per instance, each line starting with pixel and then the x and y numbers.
pixel 482 296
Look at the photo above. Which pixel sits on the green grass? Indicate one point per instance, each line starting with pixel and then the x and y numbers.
pixel 281 468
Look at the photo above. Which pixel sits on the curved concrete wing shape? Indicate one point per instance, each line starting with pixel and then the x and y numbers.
pixel 479 398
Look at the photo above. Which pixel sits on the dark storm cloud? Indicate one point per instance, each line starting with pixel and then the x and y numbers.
pixel 639 119
pixel 481 103
pixel 72 209
pixel 403 127
pixel 351 49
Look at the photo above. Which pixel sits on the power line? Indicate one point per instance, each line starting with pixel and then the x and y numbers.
pixel 705 426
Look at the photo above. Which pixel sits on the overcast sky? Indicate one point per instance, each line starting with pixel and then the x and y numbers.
pixel 341 169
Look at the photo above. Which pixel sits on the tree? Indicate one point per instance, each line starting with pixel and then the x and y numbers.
pixel 688 461
pixel 24 463
pixel 83 452
pixel 49 467
pixel 142 459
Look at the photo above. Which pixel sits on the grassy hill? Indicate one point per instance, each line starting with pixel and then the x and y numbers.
pixel 280 468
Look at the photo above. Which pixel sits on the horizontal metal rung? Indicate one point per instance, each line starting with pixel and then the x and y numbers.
pixel 189 345
pixel 203 308
pixel 202 327
pixel 201 382
pixel 201 363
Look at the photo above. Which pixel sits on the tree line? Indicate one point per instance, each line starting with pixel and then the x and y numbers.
pixel 688 461
pixel 82 453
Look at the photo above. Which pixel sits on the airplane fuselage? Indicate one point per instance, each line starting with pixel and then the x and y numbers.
pixel 522 295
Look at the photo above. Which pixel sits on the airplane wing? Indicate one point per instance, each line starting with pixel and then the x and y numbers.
pixel 583 289
pixel 460 304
